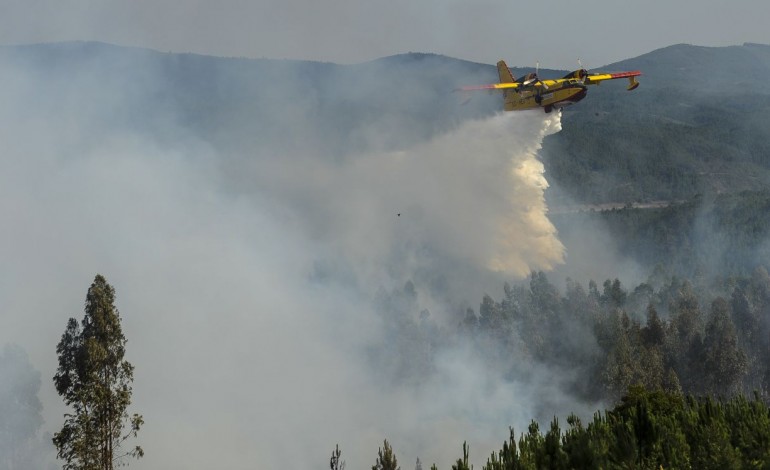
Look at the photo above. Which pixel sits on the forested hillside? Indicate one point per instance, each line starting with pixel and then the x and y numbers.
pixel 696 125
pixel 695 128
pixel 692 135
pixel 206 173
pixel 652 349
pixel 712 235
pixel 253 107
pixel 701 336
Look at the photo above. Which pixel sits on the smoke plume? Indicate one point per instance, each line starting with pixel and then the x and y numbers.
pixel 248 290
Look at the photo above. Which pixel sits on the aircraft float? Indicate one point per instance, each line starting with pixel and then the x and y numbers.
pixel 529 91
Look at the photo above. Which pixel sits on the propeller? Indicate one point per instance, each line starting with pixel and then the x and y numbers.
pixel 537 74
pixel 535 81
pixel 583 70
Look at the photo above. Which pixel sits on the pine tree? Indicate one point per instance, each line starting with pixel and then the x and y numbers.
pixel 386 459
pixel 335 463
pixel 462 464
pixel 724 361
pixel 654 334
pixel 95 381
pixel 553 456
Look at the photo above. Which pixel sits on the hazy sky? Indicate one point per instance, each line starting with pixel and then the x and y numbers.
pixel 346 31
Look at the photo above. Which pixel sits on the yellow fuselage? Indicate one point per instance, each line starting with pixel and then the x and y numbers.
pixel 517 100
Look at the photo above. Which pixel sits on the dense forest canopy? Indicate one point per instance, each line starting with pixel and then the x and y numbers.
pixel 700 336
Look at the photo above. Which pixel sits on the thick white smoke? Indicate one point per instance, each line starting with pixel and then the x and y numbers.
pixel 474 196
pixel 243 357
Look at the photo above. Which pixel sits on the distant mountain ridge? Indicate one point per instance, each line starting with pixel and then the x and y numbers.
pixel 712 65
pixel 695 125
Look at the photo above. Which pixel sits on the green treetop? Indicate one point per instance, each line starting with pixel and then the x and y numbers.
pixel 95 381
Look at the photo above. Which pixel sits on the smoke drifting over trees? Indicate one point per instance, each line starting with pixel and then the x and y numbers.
pixel 248 211
pixel 252 275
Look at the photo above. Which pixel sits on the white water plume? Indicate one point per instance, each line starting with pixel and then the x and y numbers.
pixel 475 195
pixel 243 358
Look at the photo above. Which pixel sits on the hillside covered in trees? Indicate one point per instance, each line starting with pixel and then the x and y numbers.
pixel 165 149
pixel 692 135
pixel 695 126
pixel 699 336
pixel 677 356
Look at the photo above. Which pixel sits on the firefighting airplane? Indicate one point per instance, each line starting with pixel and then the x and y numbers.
pixel 530 91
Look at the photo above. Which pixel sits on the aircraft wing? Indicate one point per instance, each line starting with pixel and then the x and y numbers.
pixel 493 86
pixel 596 78
pixel 510 86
